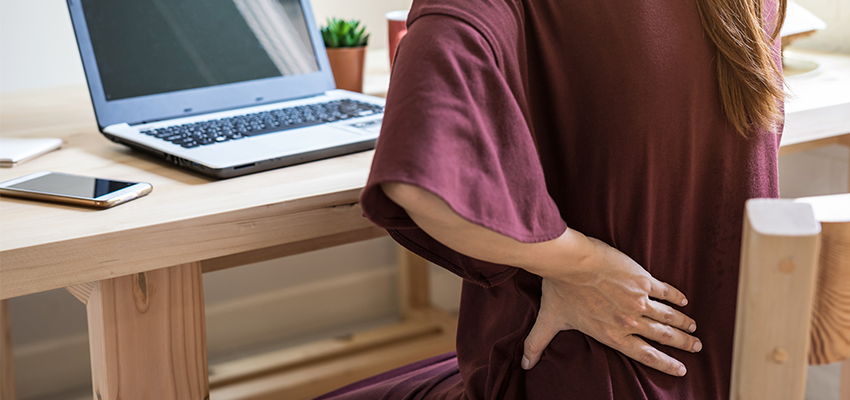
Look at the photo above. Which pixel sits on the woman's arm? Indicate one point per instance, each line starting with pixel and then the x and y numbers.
pixel 587 285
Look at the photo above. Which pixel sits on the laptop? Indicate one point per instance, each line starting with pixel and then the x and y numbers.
pixel 222 87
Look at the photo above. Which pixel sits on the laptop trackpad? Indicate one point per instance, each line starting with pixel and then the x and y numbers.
pixel 306 139
pixel 228 154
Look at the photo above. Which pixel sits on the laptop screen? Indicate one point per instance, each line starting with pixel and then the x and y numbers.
pixel 149 47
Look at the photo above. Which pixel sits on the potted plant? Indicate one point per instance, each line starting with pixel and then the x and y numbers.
pixel 346 44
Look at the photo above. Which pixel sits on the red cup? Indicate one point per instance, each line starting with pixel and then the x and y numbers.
pixel 397 22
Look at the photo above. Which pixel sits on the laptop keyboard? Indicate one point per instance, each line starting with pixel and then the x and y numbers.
pixel 242 126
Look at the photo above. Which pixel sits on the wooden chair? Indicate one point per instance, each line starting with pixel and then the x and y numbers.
pixel 793 296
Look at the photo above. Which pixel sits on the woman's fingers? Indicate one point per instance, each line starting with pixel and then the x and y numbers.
pixel 668 335
pixel 669 316
pixel 538 339
pixel 620 305
pixel 640 351
pixel 663 291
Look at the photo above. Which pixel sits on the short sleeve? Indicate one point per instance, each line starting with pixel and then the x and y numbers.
pixel 453 126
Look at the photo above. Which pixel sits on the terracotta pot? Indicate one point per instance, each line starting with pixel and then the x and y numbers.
pixel 347 65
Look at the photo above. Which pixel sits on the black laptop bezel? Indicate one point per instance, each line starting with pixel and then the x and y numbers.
pixel 143 109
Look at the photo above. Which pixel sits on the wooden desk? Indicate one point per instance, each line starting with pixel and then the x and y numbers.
pixel 138 266
pixel 817 110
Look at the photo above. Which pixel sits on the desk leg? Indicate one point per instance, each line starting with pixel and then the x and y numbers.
pixel 845 140
pixel 147 335
pixel 414 283
pixel 7 362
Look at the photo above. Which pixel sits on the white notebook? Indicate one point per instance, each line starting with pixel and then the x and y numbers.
pixel 14 151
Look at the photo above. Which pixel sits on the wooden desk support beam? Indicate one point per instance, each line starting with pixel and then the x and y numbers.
pixel 428 332
pixel 147 335
pixel 424 325
pixel 414 287
pixel 289 249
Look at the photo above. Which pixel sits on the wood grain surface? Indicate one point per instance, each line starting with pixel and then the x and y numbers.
pixel 830 338
pixel 288 249
pixel 82 291
pixel 414 282
pixel 187 217
pixel 147 336
pixel 775 295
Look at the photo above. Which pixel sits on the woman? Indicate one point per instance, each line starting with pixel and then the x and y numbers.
pixel 581 165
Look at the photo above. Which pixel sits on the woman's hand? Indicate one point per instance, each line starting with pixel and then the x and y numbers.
pixel 613 302
pixel 587 285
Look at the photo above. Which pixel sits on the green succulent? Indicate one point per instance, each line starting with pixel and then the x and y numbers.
pixel 341 33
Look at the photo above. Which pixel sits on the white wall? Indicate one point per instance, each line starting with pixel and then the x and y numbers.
pixel 370 12
pixel 836 36
pixel 38 49
pixel 37 46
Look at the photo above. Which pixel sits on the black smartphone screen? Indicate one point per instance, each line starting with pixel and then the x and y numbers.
pixel 72 185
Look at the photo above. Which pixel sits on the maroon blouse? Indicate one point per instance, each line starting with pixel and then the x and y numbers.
pixel 526 116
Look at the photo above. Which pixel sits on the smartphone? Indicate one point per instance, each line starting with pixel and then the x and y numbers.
pixel 74 189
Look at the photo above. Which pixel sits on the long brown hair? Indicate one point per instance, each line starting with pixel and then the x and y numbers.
pixel 750 83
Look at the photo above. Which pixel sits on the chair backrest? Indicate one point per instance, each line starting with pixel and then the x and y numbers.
pixel 793 295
